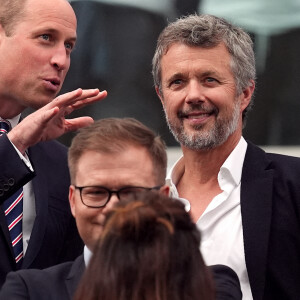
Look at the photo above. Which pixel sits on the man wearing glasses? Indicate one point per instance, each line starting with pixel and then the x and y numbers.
pixel 109 161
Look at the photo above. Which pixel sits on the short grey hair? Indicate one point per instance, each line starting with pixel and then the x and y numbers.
pixel 11 13
pixel 208 31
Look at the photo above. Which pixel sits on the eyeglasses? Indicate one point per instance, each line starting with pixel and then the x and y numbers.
pixel 99 196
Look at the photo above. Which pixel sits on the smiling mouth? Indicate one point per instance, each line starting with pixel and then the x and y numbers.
pixel 198 116
pixel 195 115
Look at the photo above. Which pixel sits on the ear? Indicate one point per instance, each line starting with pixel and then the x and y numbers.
pixel 72 200
pixel 165 190
pixel 159 95
pixel 247 95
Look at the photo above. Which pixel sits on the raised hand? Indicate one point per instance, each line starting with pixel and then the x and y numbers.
pixel 49 122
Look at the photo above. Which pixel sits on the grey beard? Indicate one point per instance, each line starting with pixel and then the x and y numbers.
pixel 205 140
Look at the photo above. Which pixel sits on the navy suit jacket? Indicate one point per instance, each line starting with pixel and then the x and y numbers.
pixel 60 283
pixel 54 238
pixel 270 207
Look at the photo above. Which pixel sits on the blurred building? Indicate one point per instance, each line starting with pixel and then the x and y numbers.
pixel 116 42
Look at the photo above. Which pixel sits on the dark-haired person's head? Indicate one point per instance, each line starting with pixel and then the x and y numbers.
pixel 110 161
pixel 149 249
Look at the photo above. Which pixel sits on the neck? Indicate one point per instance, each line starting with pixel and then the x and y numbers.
pixel 9 108
pixel 199 183
pixel 203 165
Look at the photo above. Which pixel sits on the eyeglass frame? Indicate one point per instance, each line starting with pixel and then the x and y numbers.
pixel 111 192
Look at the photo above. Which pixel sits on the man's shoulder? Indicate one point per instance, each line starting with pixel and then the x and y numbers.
pixel 50 155
pixel 55 273
pixel 273 160
pixel 51 145
pixel 282 170
pixel 51 281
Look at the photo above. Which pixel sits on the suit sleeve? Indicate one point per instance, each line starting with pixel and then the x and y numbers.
pixel 227 283
pixel 14 172
pixel 14 288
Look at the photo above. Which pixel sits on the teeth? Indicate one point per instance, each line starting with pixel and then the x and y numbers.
pixel 198 116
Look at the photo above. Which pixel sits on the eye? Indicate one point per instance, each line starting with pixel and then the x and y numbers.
pixel 210 79
pixel 129 192
pixel 45 37
pixel 94 191
pixel 176 82
pixel 69 46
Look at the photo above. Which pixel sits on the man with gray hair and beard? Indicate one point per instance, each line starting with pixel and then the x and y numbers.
pixel 245 201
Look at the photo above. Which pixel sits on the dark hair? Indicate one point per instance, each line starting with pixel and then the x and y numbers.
pixel 11 12
pixel 113 135
pixel 208 31
pixel 149 250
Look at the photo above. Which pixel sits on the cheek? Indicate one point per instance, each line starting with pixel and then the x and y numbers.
pixel 67 67
pixel 171 106
pixel 85 223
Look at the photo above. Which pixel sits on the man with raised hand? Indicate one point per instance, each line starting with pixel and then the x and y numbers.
pixel 36 225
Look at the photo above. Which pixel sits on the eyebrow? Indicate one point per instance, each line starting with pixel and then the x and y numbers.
pixel 175 76
pixel 54 31
pixel 208 73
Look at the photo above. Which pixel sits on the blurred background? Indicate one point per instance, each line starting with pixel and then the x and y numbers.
pixel 116 42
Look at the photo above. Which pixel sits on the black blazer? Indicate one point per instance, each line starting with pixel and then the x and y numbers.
pixel 60 283
pixel 270 207
pixel 54 238
pixel 54 283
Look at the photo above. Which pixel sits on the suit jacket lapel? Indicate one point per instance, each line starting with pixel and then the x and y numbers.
pixel 75 275
pixel 41 193
pixel 256 209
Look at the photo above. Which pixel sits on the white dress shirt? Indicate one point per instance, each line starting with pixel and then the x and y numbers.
pixel 29 213
pixel 221 229
pixel 87 255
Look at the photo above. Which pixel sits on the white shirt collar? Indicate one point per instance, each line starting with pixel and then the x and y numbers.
pixel 87 255
pixel 232 167
pixel 14 121
pixel 234 162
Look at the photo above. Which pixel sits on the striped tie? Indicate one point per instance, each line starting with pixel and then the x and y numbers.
pixel 13 209
pixel 4 126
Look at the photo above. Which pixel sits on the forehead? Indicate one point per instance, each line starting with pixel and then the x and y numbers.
pixel 181 57
pixel 55 14
pixel 132 166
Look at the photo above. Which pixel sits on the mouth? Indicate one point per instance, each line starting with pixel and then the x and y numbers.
pixel 54 81
pixel 198 115
pixel 52 84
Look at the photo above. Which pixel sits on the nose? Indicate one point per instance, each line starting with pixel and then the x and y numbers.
pixel 60 58
pixel 195 92
pixel 113 200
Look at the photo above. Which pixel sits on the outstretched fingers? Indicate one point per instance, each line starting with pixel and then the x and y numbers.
pixel 76 99
pixel 88 98
pixel 66 99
